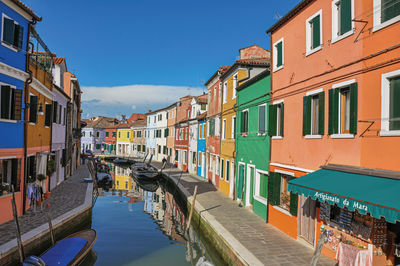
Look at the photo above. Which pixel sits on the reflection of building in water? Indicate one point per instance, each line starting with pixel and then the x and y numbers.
pixel 159 205
pixel 148 202
pixel 122 180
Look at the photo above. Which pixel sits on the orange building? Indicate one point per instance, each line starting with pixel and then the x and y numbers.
pixel 335 104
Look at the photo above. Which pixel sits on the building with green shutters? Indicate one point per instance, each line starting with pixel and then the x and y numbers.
pixel 252 143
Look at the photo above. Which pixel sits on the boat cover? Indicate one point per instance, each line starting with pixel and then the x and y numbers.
pixel 63 252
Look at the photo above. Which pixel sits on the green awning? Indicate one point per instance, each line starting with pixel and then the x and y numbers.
pixel 378 196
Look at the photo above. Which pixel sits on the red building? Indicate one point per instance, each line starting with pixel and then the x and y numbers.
pixel 213 140
pixel 110 139
pixel 135 117
pixel 182 132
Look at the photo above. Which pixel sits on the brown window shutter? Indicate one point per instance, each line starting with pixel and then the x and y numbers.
pixel 17 104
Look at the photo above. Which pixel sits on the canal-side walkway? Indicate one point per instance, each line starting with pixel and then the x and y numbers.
pixel 67 200
pixel 252 240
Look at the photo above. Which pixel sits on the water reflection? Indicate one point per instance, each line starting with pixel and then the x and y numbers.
pixel 144 224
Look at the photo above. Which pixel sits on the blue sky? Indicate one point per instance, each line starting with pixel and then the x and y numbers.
pixel 129 55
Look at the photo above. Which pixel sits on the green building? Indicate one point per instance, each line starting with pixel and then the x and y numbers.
pixel 252 143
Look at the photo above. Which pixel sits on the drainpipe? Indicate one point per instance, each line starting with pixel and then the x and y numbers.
pixel 26 93
pixel 270 139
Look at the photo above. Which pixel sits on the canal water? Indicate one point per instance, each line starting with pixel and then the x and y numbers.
pixel 145 225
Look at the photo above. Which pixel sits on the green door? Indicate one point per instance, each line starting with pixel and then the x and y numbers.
pixel 240 181
pixel 251 186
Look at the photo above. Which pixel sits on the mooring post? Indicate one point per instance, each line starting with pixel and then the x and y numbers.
pixel 191 208
pixel 19 240
pixel 50 225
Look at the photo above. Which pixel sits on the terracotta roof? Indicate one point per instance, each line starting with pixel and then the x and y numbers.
pixel 220 70
pixel 252 46
pixel 101 122
pixel 125 125
pixel 59 60
pixel 202 116
pixel 258 62
pixel 139 123
pixel 202 98
pixel 26 9
pixel 289 15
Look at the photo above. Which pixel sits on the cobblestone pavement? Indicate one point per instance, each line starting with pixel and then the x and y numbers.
pixel 268 244
pixel 65 197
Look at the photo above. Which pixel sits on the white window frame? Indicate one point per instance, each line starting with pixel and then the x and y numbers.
pixel 233 127
pixel 225 90
pixel 377 17
pixel 339 86
pixel 335 22
pixel 14 88
pixel 258 120
pixel 2 25
pixel 385 90
pixel 257 186
pixel 224 129
pixel 310 51
pixel 278 120
pixel 217 164
pixel 248 117
pixel 235 83
pixel 275 55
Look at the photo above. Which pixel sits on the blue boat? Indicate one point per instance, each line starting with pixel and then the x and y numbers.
pixel 68 251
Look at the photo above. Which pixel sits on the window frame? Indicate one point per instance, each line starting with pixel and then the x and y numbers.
pixel 377 17
pixel 235 83
pixel 12 87
pixel 385 104
pixel 257 182
pixel 335 22
pixel 225 92
pixel 312 94
pixel 275 55
pixel 233 128
pixel 310 51
pixel 259 133
pixel 242 122
pixel 223 137
pixel 11 47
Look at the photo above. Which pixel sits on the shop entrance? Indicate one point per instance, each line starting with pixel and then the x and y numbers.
pixel 307 219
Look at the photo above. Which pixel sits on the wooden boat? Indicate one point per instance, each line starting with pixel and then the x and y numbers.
pixel 145 172
pixel 68 251
pixel 148 185
pixel 120 160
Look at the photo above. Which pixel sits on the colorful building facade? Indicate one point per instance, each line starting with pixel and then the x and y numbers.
pixel 201 145
pixel 171 121
pixel 339 115
pixel 110 139
pixel 252 144
pixel 139 141
pixel 124 140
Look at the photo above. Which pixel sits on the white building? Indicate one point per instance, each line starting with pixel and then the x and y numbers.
pixel 162 134
pixel 150 134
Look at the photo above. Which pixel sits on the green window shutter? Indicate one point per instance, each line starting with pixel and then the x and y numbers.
pixel 389 9
pixel 321 113
pixel 241 122
pixel 345 16
pixel 55 109
pixel 282 118
pixel 246 121
pixel 272 120
pixel 47 120
pixel 274 188
pixel 8 31
pixel 293 204
pixel 394 103
pixel 316 34
pixel 279 55
pixel 333 111
pixel 353 108
pixel 263 186
pixel 139 147
pixel 144 148
pixel 5 101
pixel 227 171
pixel 222 168
pixel 97 146
pixel 306 115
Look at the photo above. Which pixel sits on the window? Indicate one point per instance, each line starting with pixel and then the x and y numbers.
pixel 188 114
pixel 165 150
pixel 143 147
pixel 222 169
pixel 139 134
pixel 278 57
pixel 343 109
pixel 199 160
pixel 244 122
pixel 261 119
pixel 217 165
pixel 114 134
pixel 11 103
pixel 223 129
pixel 83 133
pixel 314 33
pixel 278 193
pixel 235 84
pixel 33 108
pixel 128 134
pixel 261 185
pixel 233 132
pixel 12 33
pixel 185 157
pixel 227 171
pixel 313 114
pixel 386 12
pixel 225 91
pixel 119 134
pixel 97 134
pixel 342 15
pixel 390 125
pixel 10 173
pixel 47 118
pixel 276 117
pixel 176 155
pixel 194 158
pixel 91 133
pixel 154 119
pixel 159 148
pixel 211 127
pixel 97 146
pixel 55 112
pixel 166 132
pixel 107 134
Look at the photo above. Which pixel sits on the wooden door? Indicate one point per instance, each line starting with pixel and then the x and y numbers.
pixel 307 219
pixel 240 181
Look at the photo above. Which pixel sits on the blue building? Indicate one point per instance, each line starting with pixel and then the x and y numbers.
pixel 15 21
pixel 201 146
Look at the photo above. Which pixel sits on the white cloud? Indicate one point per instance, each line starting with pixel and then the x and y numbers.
pixel 136 95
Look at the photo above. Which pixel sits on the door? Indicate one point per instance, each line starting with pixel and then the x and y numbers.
pixel 249 186
pixel 307 219
pixel 57 163
pixel 240 187
pixel 203 165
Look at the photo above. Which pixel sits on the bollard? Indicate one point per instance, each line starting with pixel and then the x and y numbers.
pixel 191 208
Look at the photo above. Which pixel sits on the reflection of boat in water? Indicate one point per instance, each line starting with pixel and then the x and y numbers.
pixel 68 251
pixel 148 185
pixel 120 161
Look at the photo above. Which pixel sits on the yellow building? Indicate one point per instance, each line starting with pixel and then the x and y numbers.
pixel 122 179
pixel 242 70
pixel 125 140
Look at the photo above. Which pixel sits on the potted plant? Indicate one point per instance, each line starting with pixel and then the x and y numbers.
pixel 4 188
